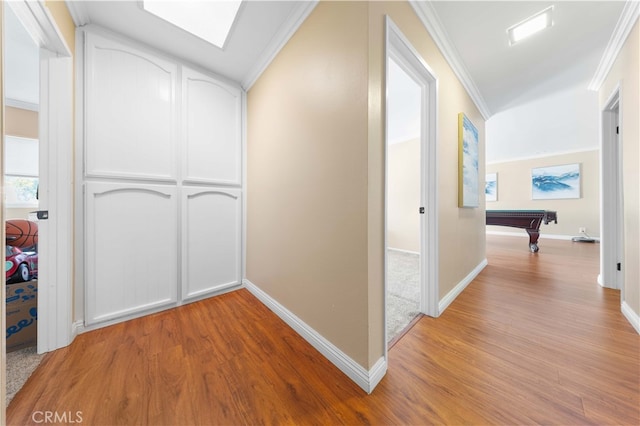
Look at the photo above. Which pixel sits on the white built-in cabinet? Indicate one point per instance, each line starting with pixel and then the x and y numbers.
pixel 162 181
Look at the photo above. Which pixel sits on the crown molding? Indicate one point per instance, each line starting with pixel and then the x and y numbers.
pixel 625 24
pixel 296 18
pixel 41 26
pixel 429 18
pixel 78 12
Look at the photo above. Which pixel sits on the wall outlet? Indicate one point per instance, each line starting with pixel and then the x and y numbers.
pixel 582 230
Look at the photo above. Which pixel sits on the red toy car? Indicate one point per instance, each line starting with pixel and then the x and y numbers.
pixel 20 265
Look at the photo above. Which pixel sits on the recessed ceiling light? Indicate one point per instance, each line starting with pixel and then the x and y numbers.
pixel 209 20
pixel 530 26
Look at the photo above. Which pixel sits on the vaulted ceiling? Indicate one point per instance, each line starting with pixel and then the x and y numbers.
pixel 565 55
pixel 471 33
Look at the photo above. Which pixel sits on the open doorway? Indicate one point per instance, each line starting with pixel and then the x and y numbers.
pixel 21 183
pixel 612 231
pixel 404 103
pixel 54 67
pixel 411 208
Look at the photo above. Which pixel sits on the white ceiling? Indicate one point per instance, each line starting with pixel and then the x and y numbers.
pixel 259 27
pixel 565 55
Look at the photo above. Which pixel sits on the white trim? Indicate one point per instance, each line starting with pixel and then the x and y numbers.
pixel 631 316
pixel 77 328
pixel 78 12
pixel 16 103
pixel 429 18
pixel 547 155
pixel 243 117
pixel 625 24
pixel 451 296
pixel 404 251
pixel 367 380
pixel 39 23
pixel 610 199
pixel 3 281
pixel 398 47
pixel 56 195
pixel 287 30
pixel 79 187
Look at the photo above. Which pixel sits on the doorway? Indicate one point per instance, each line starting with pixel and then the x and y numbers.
pixel 404 104
pixel 55 135
pixel 411 233
pixel 21 183
pixel 611 245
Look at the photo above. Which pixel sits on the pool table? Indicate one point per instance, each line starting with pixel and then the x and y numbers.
pixel 528 220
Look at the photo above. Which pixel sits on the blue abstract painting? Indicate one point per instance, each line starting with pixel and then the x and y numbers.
pixel 491 187
pixel 469 183
pixel 555 182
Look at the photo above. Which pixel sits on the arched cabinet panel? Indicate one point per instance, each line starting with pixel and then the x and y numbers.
pixel 211 130
pixel 211 255
pixel 132 249
pixel 161 168
pixel 130 112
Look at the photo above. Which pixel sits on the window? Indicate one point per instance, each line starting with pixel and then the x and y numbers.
pixel 209 20
pixel 21 172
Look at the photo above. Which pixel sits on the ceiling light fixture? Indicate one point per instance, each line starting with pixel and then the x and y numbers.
pixel 208 20
pixel 530 26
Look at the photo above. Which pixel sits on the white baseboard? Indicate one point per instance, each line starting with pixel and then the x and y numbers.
pixel 367 380
pixel 403 251
pixel 631 316
pixel 542 236
pixel 76 328
pixel 451 296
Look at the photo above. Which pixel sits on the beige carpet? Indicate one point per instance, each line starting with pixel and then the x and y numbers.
pixel 403 290
pixel 20 365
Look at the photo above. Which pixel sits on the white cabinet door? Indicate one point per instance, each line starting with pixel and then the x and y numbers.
pixel 211 133
pixel 162 173
pixel 130 112
pixel 132 249
pixel 211 255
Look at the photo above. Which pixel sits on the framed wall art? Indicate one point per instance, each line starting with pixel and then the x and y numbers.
pixel 555 182
pixel 468 163
pixel 491 187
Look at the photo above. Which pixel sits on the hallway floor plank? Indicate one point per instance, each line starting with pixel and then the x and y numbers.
pixel 533 339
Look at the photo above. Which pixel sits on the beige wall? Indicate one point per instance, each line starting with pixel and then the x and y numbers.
pixel 461 231
pixel 514 192
pixel 315 174
pixel 307 176
pixel 403 197
pixel 626 71
pixel 21 122
pixel 65 24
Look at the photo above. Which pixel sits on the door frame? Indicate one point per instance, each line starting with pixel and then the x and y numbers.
pixel 611 194
pixel 55 120
pixel 398 48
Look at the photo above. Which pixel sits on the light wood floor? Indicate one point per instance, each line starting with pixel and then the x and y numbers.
pixel 533 339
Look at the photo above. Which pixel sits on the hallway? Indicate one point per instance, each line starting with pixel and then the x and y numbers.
pixel 533 339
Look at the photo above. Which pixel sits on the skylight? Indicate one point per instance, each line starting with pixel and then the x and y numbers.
pixel 208 20
pixel 530 26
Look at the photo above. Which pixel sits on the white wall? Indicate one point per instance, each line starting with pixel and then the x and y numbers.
pixel 403 195
pixel 562 122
